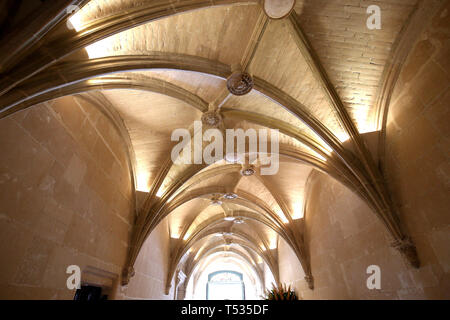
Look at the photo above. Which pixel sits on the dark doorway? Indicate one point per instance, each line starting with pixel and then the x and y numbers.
pixel 90 293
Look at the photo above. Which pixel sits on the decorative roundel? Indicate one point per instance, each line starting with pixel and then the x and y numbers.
pixel 278 9
pixel 248 170
pixel 211 118
pixel 240 83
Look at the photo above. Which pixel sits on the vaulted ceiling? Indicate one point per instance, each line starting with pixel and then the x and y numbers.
pixel 319 75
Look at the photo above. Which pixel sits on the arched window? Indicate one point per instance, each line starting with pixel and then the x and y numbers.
pixel 225 285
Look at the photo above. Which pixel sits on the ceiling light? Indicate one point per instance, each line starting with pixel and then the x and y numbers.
pixel 248 170
pixel 230 196
pixel 239 221
pixel 229 218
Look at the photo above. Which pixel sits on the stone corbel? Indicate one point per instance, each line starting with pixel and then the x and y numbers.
pixel 127 274
pixel 310 281
pixel 408 251
pixel 168 286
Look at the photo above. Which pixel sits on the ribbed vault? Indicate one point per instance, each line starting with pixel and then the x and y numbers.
pixel 161 65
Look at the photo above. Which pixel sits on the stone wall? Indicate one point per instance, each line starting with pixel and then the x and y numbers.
pixel 345 237
pixel 65 199
pixel 291 271
pixel 418 150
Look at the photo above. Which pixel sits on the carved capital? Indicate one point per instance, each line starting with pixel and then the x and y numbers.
pixel 310 280
pixel 240 83
pixel 127 274
pixel 408 251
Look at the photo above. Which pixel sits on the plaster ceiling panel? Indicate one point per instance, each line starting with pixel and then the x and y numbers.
pixel 208 213
pixel 354 56
pixel 258 232
pixel 258 103
pixel 234 208
pixel 279 61
pixel 153 111
pixel 252 185
pixel 226 180
pixel 283 139
pixel 205 86
pixel 217 33
pixel 203 175
pixel 150 119
pixel 179 216
pixel 290 183
pixel 252 230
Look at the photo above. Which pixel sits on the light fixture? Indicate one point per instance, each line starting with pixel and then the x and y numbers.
pixel 248 170
pixel 239 221
pixel 229 218
pixel 230 196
